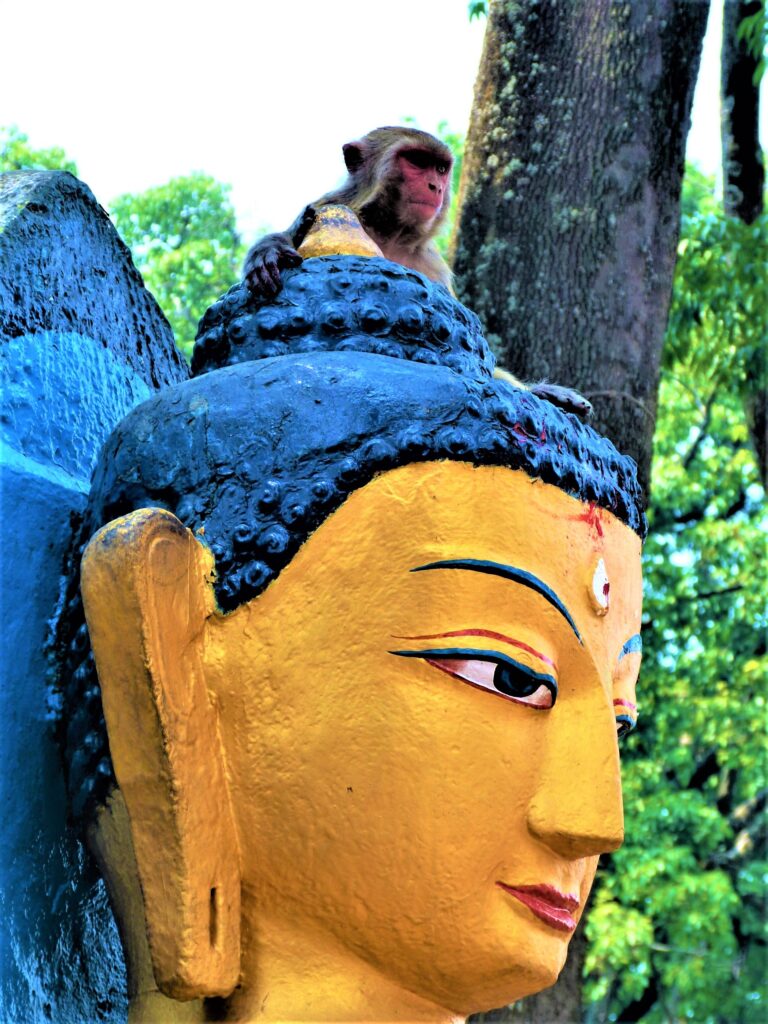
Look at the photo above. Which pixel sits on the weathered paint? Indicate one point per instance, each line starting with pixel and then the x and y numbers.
pixel 62 392
pixel 410 847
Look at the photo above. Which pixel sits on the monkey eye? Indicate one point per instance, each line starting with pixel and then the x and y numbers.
pixel 441 168
pixel 418 158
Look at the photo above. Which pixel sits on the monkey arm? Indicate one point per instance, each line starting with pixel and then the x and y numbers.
pixel 272 253
pixel 298 230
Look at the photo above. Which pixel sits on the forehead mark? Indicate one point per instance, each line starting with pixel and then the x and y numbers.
pixel 592 517
pixel 509 572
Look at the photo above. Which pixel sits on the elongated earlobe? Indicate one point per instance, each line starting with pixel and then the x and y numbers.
pixel 147 594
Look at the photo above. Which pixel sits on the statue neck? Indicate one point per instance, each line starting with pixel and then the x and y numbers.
pixel 293 975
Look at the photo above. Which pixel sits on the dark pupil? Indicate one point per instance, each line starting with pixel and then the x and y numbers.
pixel 442 168
pixel 514 682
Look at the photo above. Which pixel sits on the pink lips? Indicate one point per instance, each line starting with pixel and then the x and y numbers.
pixel 550 906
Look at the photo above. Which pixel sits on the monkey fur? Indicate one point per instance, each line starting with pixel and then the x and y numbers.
pixel 376 190
pixel 399 186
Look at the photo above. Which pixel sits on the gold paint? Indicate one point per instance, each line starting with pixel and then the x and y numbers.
pixel 377 800
pixel 147 596
pixel 337 231
pixel 109 839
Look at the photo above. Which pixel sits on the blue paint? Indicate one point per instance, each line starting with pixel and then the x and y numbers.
pixel 81 342
pixel 345 304
pixel 509 572
pixel 60 947
pixel 61 395
pixel 633 646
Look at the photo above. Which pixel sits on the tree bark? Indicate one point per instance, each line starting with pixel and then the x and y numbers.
pixel 743 173
pixel 569 209
pixel 743 182
pixel 568 226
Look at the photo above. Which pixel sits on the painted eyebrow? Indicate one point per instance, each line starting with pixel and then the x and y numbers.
pixel 632 646
pixel 508 572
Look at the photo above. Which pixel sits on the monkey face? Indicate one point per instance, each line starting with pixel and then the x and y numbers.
pixel 425 179
pixel 420 720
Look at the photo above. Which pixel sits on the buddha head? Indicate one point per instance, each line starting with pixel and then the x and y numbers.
pixel 366 632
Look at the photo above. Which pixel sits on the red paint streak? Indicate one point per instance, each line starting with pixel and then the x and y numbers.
pixel 625 704
pixel 520 430
pixel 592 518
pixel 483 632
pixel 547 903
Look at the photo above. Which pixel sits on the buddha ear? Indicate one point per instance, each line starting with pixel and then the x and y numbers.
pixel 147 591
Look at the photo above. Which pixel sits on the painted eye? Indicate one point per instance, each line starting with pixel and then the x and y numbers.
pixel 494 672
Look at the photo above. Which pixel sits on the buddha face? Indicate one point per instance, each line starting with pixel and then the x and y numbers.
pixel 419 718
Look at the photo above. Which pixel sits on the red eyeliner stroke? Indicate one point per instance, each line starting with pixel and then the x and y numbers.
pixel 482 632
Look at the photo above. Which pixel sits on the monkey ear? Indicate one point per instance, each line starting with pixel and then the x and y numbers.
pixel 147 592
pixel 354 155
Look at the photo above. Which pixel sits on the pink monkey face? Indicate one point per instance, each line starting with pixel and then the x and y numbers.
pixel 425 178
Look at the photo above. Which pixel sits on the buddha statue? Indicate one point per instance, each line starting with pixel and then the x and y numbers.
pixel 366 628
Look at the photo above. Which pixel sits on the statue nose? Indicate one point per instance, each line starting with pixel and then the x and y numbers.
pixel 577 808
pixel 578 834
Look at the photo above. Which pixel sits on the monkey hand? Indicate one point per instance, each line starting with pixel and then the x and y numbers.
pixel 264 262
pixel 565 398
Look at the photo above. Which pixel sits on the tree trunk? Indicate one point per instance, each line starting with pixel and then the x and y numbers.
pixel 743 173
pixel 569 213
pixel 743 181
pixel 568 225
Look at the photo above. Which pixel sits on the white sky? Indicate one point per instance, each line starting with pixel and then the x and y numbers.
pixel 259 94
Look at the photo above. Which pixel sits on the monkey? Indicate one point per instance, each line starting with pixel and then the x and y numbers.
pixel 399 186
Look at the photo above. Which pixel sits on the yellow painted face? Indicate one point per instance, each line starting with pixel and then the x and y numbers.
pixel 420 721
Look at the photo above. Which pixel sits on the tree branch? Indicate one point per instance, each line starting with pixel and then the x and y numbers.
pixel 691 455
pixel 622 396
pixel 706 594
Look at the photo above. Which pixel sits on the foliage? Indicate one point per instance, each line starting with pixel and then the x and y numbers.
pixel 184 240
pixel 17 155
pixel 455 142
pixel 676 932
pixel 753 31
pixel 478 9
pixel 183 235
pixel 719 317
